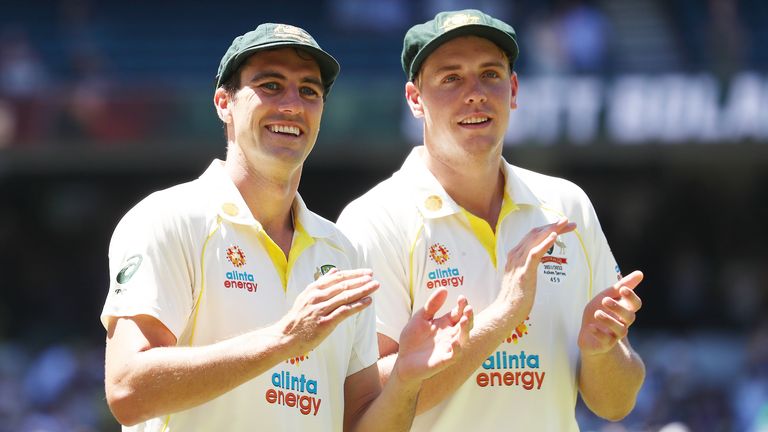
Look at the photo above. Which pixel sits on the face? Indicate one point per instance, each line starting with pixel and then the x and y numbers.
pixel 464 92
pixel 274 117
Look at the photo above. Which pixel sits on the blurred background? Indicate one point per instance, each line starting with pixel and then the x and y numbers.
pixel 658 109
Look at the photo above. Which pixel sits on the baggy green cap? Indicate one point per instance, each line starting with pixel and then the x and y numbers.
pixel 270 36
pixel 422 40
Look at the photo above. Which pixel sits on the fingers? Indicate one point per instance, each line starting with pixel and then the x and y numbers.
pixel 348 295
pixel 458 311
pixel 335 276
pixel 338 284
pixel 434 303
pixel 346 310
pixel 535 244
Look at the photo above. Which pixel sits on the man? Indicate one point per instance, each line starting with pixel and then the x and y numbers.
pixel 552 317
pixel 233 307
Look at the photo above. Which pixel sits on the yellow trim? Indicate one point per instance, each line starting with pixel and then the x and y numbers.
pixel 583 248
pixel 302 240
pixel 202 279
pixel 482 230
pixel 165 425
pixel 410 264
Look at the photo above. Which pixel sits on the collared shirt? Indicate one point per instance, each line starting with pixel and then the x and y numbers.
pixel 194 257
pixel 417 238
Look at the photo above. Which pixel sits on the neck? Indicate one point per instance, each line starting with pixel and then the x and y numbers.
pixel 269 196
pixel 476 185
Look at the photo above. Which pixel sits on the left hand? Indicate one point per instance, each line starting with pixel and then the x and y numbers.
pixel 428 345
pixel 609 315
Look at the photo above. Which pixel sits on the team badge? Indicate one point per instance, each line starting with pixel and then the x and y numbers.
pixel 323 269
pixel 236 256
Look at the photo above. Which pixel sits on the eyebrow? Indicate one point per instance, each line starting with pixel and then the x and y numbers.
pixel 455 67
pixel 278 75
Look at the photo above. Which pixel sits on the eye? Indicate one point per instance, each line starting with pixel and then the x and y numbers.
pixel 451 78
pixel 308 91
pixel 491 74
pixel 272 86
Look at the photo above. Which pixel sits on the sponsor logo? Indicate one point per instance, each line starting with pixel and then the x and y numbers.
pixel 555 268
pixel 129 269
pixel 236 256
pixel 323 269
pixel 439 254
pixel 293 391
pixel 519 332
pixel 447 276
pixel 503 369
pixel 240 280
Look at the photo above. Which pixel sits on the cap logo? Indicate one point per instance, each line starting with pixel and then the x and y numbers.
pixel 459 20
pixel 291 32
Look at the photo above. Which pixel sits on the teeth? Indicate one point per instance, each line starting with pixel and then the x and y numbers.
pixel 473 120
pixel 285 129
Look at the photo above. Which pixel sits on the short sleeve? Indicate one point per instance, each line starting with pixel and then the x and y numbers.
pixel 605 270
pixel 149 268
pixel 381 247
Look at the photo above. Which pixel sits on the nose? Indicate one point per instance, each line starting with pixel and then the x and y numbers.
pixel 291 102
pixel 475 92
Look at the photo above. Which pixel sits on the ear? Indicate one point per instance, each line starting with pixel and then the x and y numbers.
pixel 413 97
pixel 513 98
pixel 221 102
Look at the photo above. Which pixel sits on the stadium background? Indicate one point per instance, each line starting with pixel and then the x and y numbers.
pixel 657 109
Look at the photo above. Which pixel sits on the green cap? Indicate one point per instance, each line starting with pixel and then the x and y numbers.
pixel 422 40
pixel 271 36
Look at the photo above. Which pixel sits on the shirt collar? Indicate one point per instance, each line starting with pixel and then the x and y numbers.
pixel 231 206
pixel 434 202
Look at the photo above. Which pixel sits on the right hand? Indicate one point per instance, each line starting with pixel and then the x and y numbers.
pixel 325 303
pixel 518 287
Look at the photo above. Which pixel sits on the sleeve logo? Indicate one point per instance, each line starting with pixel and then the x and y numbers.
pixel 129 269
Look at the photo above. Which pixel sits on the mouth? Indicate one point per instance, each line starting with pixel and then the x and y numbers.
pixel 285 129
pixel 477 120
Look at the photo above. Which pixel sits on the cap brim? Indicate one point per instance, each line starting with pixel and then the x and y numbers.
pixel 329 67
pixel 499 37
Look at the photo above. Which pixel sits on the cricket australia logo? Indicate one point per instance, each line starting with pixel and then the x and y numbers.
pixel 236 256
pixel 323 269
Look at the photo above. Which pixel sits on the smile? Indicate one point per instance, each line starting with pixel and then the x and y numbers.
pixel 292 130
pixel 474 120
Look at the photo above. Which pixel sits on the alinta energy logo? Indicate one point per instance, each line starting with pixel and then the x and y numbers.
pixel 298 359
pixel 519 332
pixel 446 276
pixel 298 392
pixel 239 279
pixel 505 369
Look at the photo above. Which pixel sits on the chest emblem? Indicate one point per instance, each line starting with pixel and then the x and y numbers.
pixel 236 256
pixel 554 264
pixel 447 276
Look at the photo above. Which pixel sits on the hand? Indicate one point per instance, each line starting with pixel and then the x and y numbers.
pixel 428 345
pixel 325 303
pixel 608 316
pixel 518 287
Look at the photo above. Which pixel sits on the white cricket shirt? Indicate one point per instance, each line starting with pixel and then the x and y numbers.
pixel 194 257
pixel 416 238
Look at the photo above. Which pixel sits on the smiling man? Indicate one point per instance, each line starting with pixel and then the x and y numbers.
pixel 526 249
pixel 232 307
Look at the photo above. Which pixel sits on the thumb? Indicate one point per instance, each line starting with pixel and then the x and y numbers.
pixel 630 281
pixel 434 303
